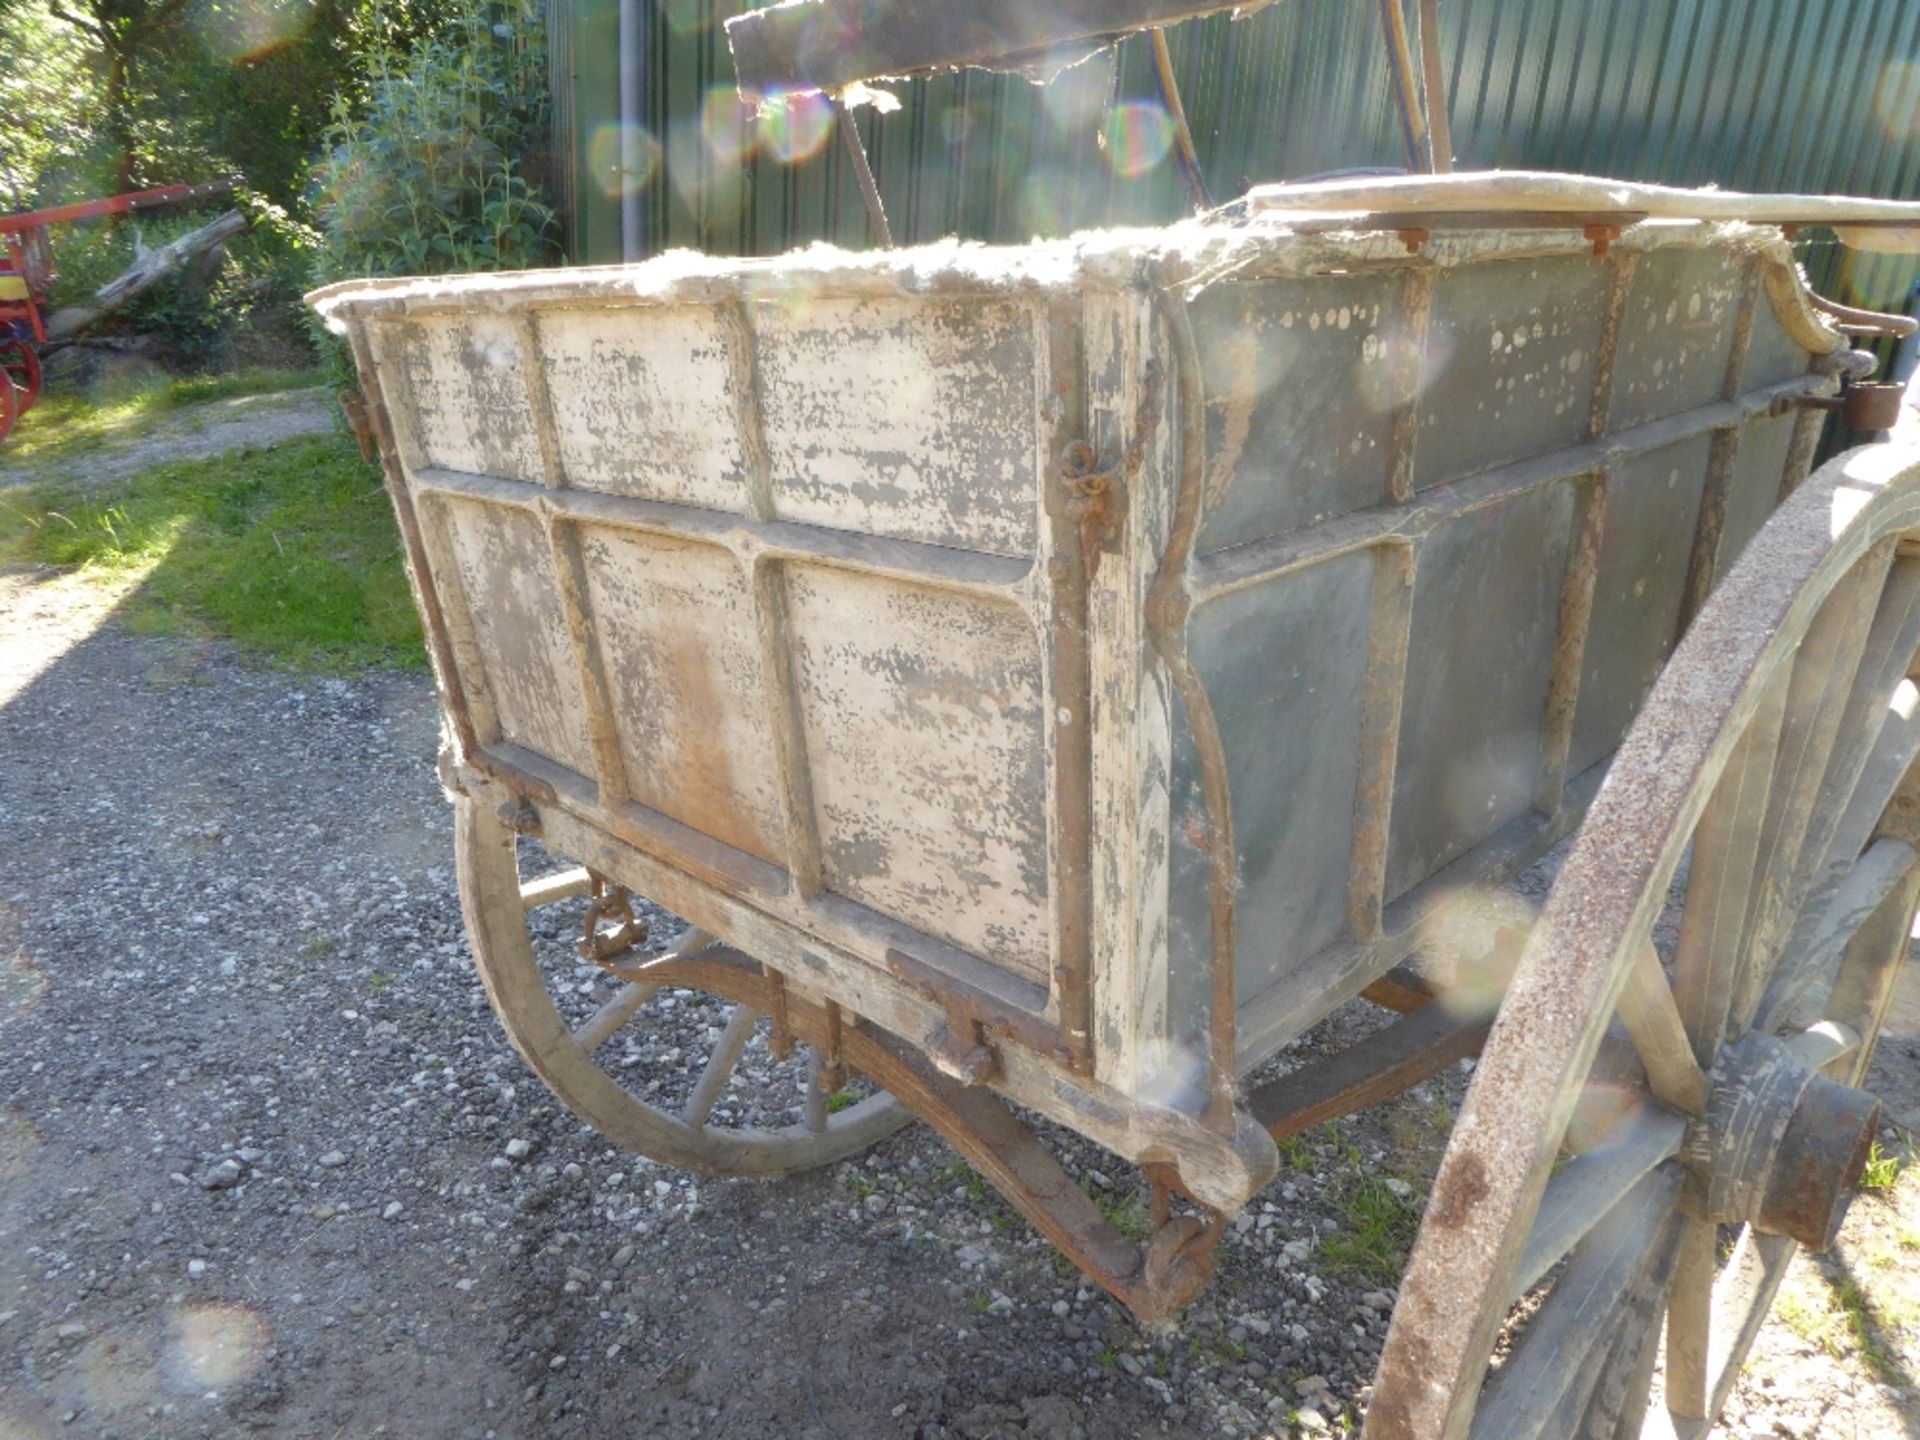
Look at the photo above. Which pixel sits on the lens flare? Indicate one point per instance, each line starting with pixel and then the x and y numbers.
pixel 215 1345
pixel 614 174
pixel 727 125
pixel 1896 99
pixel 957 123
pixel 1139 136
pixel 1077 98
pixel 1040 202
pixel 249 29
pixel 794 127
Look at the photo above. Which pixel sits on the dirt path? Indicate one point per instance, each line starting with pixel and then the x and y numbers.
pixel 195 433
pixel 255 1172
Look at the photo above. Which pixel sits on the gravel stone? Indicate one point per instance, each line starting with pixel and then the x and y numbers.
pixel 223 1176
pixel 205 810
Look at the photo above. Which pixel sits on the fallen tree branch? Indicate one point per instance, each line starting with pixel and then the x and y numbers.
pixel 145 272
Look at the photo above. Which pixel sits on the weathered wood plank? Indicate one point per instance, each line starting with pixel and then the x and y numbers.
pixel 1369 1072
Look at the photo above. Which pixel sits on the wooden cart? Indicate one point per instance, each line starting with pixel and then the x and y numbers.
pixel 1056 677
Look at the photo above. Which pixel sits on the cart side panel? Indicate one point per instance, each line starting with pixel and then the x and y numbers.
pixel 1299 400
pixel 466 379
pixel 925 742
pixel 504 572
pixel 679 634
pixel 1509 361
pixel 1676 332
pixel 644 403
pixel 1293 755
pixel 1759 473
pixel 911 418
pixel 1645 546
pixel 1486 605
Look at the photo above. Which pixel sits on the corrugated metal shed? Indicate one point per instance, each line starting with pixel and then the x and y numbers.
pixel 1800 95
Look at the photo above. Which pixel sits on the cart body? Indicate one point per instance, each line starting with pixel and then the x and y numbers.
pixel 1027 648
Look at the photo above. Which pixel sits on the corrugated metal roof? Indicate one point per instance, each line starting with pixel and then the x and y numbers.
pixel 1782 95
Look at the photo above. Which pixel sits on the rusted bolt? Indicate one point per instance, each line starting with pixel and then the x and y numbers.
pixel 1413 238
pixel 519 816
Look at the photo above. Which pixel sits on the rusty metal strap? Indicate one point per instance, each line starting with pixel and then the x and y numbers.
pixel 1168 604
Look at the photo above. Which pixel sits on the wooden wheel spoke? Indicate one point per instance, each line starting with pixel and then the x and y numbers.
pixel 1894 752
pixel 814 1107
pixel 1740 1300
pixel 1857 1003
pixel 1590 1186
pixel 561 885
pixel 622 1006
pixel 1725 845
pixel 1820 683
pixel 1618 1408
pixel 1616 1278
pixel 1799 989
pixel 1690 1318
pixel 1824 682
pixel 1878 692
pixel 625 1003
pixel 1652 1018
pixel 720 1065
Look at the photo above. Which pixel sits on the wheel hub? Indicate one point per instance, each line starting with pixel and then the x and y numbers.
pixel 1781 1146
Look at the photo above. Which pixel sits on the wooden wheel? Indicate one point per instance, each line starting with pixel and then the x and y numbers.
pixel 1738 902
pixel 22 365
pixel 667 1103
pixel 10 406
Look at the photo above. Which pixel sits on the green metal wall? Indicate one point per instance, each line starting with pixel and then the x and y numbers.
pixel 1806 95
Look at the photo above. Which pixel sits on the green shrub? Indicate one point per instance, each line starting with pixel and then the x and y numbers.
pixel 421 178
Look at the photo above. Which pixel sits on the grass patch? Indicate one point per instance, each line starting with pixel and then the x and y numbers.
pixel 1124 1212
pixel 290 552
pixel 1378 1230
pixel 1882 1171
pixel 69 423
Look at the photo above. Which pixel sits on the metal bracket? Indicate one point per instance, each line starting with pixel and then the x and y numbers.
pixel 1096 502
pixel 964 1055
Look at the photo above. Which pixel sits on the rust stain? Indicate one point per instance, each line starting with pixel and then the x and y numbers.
pixel 1461 1189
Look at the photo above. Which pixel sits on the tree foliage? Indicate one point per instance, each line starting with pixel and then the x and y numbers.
pixel 425 175
pixel 363 136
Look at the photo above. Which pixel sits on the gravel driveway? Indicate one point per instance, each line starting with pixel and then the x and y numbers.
pixel 254 1171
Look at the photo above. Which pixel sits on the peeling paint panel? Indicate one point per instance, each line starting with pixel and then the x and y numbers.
pixel 1483 633
pixel 1292 743
pixel 1646 546
pixel 680 639
pixel 1759 466
pixel 1675 333
pixel 910 418
pixel 468 378
pixel 1509 365
pixel 506 573
pixel 1300 389
pixel 925 742
pixel 644 403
